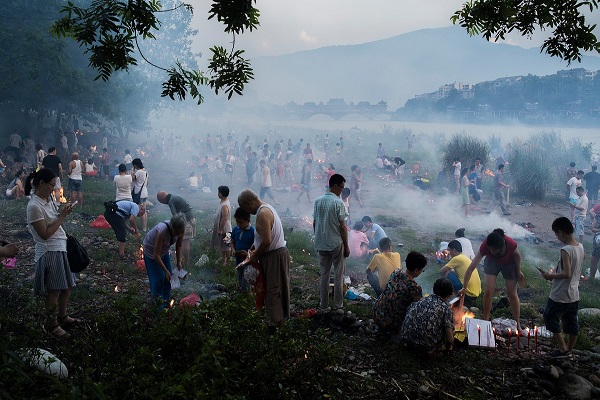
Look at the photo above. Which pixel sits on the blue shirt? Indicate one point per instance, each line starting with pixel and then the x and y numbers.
pixel 125 208
pixel 379 233
pixel 242 240
pixel 329 212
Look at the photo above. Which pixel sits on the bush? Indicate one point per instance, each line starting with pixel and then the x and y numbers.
pixel 531 173
pixel 466 149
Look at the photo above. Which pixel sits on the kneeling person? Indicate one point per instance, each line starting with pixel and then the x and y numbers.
pixel 455 270
pixel 429 322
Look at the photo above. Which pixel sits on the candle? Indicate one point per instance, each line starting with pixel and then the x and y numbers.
pixel 494 333
pixel 535 339
pixel 518 336
pixel 528 337
pixel 479 335
pixel 509 337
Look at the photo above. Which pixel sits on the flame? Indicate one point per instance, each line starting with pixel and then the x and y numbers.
pixel 141 253
pixel 488 172
pixel 171 303
pixel 117 290
pixel 459 318
pixel 62 198
pixel 93 148
pixel 443 255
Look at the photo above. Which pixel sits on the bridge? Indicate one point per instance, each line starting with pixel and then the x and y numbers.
pixel 337 109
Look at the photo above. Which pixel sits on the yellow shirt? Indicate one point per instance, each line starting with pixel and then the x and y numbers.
pixel 385 263
pixel 459 265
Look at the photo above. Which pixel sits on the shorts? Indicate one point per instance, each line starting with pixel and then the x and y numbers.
pixel 491 267
pixel 566 312
pixel 105 169
pixel 596 245
pixel 117 223
pixel 75 185
pixel 579 225
pixel 190 229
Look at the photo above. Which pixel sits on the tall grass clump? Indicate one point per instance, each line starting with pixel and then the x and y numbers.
pixel 466 149
pixel 550 146
pixel 530 173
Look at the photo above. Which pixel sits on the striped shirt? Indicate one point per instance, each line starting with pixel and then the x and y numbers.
pixel 329 212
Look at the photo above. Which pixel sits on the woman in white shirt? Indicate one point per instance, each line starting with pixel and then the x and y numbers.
pixel 53 278
pixel 140 189
pixel 123 184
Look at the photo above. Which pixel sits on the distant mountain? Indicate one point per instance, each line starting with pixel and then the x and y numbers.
pixel 396 69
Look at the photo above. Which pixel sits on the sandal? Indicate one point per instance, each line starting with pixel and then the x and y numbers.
pixel 57 331
pixel 68 322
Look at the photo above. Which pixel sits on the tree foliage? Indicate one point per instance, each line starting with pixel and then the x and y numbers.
pixel 110 32
pixel 571 33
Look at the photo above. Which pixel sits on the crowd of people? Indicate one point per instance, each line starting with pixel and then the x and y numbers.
pixel 400 307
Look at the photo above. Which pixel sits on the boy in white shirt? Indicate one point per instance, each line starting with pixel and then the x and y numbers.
pixel 580 211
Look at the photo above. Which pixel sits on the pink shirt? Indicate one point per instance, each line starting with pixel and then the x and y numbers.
pixel 355 239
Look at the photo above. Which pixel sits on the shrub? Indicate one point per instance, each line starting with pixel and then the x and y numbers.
pixel 531 173
pixel 466 149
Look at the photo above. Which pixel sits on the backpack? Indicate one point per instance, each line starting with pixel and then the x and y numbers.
pixel 111 206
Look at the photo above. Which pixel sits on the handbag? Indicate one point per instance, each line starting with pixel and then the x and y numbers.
pixel 76 254
pixel 137 197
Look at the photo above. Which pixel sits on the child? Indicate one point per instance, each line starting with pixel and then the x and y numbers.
pixel 563 301
pixel 580 210
pixel 90 167
pixel 346 200
pixel 242 238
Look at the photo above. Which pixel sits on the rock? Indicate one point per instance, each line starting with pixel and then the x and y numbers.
pixel 547 385
pixel 594 380
pixel 351 358
pixel 554 372
pixel 566 365
pixel 575 386
pixel 545 394
pixel 595 392
pixel 594 312
pixel 423 388
pixel 597 339
pixel 595 349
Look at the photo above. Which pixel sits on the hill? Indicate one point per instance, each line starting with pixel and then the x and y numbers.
pixel 397 68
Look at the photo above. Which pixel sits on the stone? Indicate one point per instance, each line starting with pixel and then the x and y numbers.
pixel 595 349
pixel 554 372
pixel 593 312
pixel 423 388
pixel 597 339
pixel 595 392
pixel 547 386
pixel 574 386
pixel 594 380
pixel 566 365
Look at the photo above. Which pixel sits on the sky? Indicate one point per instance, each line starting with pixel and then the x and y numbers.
pixel 288 26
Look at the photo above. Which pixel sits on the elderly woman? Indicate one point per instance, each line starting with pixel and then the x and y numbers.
pixel 157 259
pixel 53 277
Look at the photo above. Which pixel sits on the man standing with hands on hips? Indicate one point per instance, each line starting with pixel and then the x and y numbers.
pixel 331 241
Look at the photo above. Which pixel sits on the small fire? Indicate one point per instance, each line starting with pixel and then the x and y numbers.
pixel 62 199
pixel 93 149
pixel 459 318
pixel 141 253
pixel 488 172
pixel 443 255
pixel 171 303
pixel 307 220
pixel 117 289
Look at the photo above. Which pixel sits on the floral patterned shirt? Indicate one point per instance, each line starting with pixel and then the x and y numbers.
pixel 390 308
pixel 426 321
